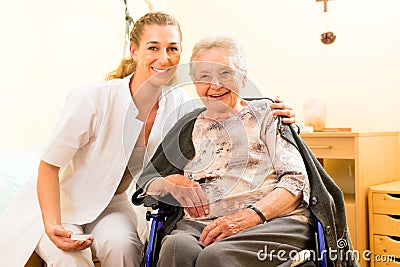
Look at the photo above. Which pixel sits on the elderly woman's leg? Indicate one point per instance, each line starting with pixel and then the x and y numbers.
pixel 271 244
pixel 181 247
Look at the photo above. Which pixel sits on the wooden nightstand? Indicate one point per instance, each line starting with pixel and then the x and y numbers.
pixel 357 161
pixel 384 224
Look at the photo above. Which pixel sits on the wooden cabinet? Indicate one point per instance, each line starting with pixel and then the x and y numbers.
pixel 357 161
pixel 384 219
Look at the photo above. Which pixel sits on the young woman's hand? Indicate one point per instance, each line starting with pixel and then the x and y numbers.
pixel 62 239
pixel 280 108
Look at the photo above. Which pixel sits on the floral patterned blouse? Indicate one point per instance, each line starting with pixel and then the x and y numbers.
pixel 240 160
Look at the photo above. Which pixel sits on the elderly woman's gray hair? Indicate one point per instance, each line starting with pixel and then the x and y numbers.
pixel 227 43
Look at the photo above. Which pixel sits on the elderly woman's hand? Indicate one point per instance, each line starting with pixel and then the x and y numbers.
pixel 228 225
pixel 188 193
pixel 279 108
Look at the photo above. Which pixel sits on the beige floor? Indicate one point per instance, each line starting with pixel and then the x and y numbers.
pixel 36 261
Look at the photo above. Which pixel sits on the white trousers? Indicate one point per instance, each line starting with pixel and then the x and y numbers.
pixel 116 242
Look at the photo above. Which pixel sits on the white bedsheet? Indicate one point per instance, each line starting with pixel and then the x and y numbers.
pixel 15 168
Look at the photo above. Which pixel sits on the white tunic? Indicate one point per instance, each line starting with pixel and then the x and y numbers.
pixel 92 143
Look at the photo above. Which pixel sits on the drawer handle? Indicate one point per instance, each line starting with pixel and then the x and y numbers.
pixel 396 217
pixel 320 147
pixel 395 238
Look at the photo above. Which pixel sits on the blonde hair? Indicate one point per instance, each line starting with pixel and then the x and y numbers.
pixel 128 65
pixel 227 43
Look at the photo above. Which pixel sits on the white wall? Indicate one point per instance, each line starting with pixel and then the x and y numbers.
pixel 358 75
pixel 50 47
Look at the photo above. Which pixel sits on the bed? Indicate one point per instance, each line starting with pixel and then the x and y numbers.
pixel 16 167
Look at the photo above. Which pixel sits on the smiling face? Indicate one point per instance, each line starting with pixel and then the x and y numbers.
pixel 159 49
pixel 217 81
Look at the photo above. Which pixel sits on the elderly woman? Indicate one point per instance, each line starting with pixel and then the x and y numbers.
pixel 244 190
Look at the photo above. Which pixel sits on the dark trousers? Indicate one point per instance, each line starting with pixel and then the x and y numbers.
pixel 270 244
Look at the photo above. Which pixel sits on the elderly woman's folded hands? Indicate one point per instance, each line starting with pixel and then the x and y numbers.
pixel 223 227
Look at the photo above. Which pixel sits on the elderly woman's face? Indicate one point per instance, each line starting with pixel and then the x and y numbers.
pixel 217 82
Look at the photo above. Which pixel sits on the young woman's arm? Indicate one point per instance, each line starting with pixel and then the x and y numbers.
pixel 48 189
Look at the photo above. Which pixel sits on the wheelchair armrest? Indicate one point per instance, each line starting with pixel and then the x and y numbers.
pixel 151 202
